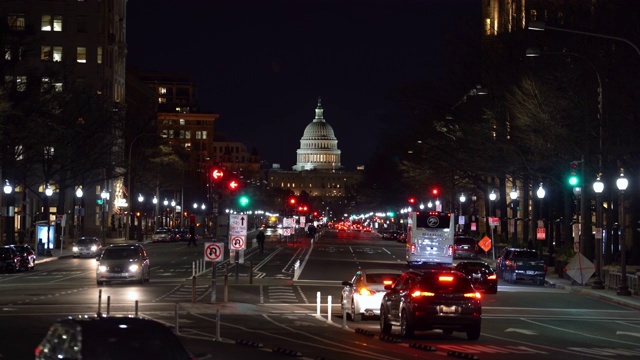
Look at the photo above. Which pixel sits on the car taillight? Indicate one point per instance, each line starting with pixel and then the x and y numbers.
pixel 445 278
pixel 492 277
pixel 475 295
pixel 413 248
pixel 389 282
pixel 451 250
pixel 366 292
pixel 508 262
pixel 419 293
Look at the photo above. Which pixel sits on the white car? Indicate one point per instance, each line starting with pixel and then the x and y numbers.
pixel 123 263
pixel 161 235
pixel 363 294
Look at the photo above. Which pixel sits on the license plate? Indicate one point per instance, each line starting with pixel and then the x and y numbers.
pixel 448 309
pixel 530 272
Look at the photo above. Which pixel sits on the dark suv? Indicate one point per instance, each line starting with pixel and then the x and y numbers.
pixel 431 299
pixel 465 247
pixel 501 261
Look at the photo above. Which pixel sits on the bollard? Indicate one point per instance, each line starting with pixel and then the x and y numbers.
pixel 108 304
pixel 329 308
pixel 250 272
pixel 99 302
pixel 318 304
pixel 344 313
pixel 226 288
pixel 193 268
pixel 136 309
pixel 175 316
pixel 193 289
pixel 218 325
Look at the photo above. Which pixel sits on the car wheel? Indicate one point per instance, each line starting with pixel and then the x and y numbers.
pixel 473 332
pixel 540 282
pixel 385 326
pixel 354 316
pixel 406 329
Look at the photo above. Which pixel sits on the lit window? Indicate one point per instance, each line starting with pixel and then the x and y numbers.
pixel 187 134
pixel 99 54
pixel 198 134
pixel 187 146
pixel 45 53
pixel 21 83
pixel 7 53
pixel 51 23
pixel 57 53
pixel 16 22
pixel 182 122
pixel 81 54
pixel 204 134
pixel 162 90
pixel 57 86
pixel 162 100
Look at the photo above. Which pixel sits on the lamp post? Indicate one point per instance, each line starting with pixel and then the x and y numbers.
pixel 173 214
pixel 139 227
pixel 623 290
pixel 514 213
pixel 492 198
pixel 155 213
pixel 105 197
pixel 79 194
pixel 462 200
pixel 598 188
pixel 165 213
pixel 541 194
pixel 48 191
pixel 8 190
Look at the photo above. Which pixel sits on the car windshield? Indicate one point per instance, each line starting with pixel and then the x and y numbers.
pixel 161 232
pixel 381 278
pixel 446 282
pixel 525 254
pixel 131 343
pixel 85 241
pixel 127 253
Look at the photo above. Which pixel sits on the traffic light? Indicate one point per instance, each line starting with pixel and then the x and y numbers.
pixel 435 192
pixel 292 201
pixel 412 200
pixel 233 185
pixel 574 179
pixel 137 213
pixel 217 174
pixel 243 200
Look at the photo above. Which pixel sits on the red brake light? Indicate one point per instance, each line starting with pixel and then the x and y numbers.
pixel 413 248
pixel 419 293
pixel 445 278
pixel 387 282
pixel 492 277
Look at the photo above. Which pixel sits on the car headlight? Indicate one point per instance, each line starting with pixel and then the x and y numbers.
pixel 102 268
pixel 134 267
pixel 94 248
pixel 75 249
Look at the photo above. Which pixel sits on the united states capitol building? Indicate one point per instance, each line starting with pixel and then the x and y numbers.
pixel 318 170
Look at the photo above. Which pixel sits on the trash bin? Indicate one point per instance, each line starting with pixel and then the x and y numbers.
pixel 40 247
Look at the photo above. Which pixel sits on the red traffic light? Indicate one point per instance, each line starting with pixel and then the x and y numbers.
pixel 217 174
pixel 435 192
pixel 412 200
pixel 292 201
pixel 233 185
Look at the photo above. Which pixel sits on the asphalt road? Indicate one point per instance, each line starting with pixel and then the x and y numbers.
pixel 274 312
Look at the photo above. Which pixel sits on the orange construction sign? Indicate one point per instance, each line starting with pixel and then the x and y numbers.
pixel 485 243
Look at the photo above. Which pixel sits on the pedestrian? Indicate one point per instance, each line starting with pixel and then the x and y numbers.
pixel 260 238
pixel 192 236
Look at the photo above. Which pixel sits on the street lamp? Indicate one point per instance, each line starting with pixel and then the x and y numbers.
pixel 622 183
pixel 8 189
pixel 541 193
pixel 139 234
pixel 514 213
pixel 48 191
pixel 105 196
pixel 79 194
pixel 492 198
pixel 598 188
pixel 462 200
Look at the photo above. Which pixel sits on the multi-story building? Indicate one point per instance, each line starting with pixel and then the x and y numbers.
pixel 83 42
pixel 234 157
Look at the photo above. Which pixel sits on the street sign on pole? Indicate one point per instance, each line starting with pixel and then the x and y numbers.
pixel 238 224
pixel 213 251
pixel 237 242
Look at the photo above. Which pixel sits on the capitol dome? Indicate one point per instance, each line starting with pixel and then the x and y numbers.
pixel 318 146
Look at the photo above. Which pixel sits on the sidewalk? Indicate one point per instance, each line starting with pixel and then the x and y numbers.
pixel 608 295
pixel 66 252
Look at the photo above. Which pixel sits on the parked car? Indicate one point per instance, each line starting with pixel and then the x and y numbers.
pixel 524 264
pixel 362 294
pixel 9 259
pixel 501 261
pixel 161 235
pixel 480 274
pixel 390 234
pixel 431 299
pixel 27 256
pixel 465 247
pixel 110 337
pixel 87 246
pixel 123 263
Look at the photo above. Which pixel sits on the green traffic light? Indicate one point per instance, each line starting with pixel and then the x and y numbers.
pixel 574 180
pixel 244 201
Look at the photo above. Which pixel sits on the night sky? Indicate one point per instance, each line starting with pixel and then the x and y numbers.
pixel 262 64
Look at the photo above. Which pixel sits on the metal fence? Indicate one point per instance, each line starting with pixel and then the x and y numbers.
pixel 613 279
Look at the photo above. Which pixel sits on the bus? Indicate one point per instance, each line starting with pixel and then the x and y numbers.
pixel 430 238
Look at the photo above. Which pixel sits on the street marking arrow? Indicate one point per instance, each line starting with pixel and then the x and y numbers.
pixel 522 331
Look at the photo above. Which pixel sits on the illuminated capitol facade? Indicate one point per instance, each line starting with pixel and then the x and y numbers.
pixel 318 170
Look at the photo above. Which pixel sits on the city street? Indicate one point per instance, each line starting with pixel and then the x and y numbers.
pixel 275 312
